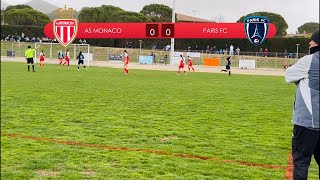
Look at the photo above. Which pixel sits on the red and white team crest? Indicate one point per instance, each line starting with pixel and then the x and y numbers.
pixel 65 30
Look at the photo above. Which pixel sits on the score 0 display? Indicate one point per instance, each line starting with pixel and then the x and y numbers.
pixel 159 30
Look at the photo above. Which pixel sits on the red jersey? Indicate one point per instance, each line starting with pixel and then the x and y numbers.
pixel 190 62
pixel 126 58
pixel 182 63
pixel 67 56
pixel 41 57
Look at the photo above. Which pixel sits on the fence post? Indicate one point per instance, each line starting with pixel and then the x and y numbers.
pixel 93 56
pixel 19 49
pixel 74 52
pixel 12 49
pixel 108 54
pixel 51 50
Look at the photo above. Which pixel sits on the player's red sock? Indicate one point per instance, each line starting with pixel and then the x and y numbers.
pixel 127 70
pixel 185 72
pixel 192 68
pixel 189 68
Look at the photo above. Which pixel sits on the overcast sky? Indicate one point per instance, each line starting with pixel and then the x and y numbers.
pixel 295 12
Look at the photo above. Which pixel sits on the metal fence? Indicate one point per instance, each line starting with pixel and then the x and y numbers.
pixel 263 60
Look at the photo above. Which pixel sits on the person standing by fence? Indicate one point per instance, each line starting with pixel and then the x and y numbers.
pixel 306 130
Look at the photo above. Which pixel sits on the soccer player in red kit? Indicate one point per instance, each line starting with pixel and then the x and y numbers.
pixel 181 66
pixel 42 55
pixel 190 63
pixel 67 58
pixel 126 62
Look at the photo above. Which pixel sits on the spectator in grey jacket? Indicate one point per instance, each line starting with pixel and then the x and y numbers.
pixel 306 131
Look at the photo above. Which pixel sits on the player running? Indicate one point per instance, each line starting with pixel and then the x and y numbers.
pixel 67 58
pixel 227 66
pixel 80 60
pixel 126 62
pixel 190 64
pixel 42 56
pixel 181 66
pixel 60 57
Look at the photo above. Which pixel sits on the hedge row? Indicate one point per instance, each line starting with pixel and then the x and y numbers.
pixel 17 30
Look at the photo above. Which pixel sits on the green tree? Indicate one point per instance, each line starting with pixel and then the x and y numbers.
pixel 127 16
pixel 309 27
pixel 107 12
pixel 98 14
pixel 88 14
pixel 26 17
pixel 157 12
pixel 276 19
pixel 19 6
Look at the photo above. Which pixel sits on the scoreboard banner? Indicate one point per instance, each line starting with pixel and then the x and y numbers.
pixel 160 30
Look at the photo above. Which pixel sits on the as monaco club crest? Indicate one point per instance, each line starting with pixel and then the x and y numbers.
pixel 65 30
pixel 256 28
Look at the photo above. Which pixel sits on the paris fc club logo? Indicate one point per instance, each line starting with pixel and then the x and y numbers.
pixel 256 28
pixel 65 30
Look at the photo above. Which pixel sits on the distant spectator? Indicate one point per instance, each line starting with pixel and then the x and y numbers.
pixel 266 52
pixel 215 50
pixel 84 41
pixel 261 52
pixel 285 54
pixel 168 47
pixel 80 41
pixel 225 52
pixel 208 49
pixel 154 47
pixel 130 45
pixel 189 48
pixel 231 49
pixel 238 51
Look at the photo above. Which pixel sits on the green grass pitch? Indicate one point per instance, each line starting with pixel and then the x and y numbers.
pixel 236 121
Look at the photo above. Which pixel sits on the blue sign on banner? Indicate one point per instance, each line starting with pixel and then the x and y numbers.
pixel 145 59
